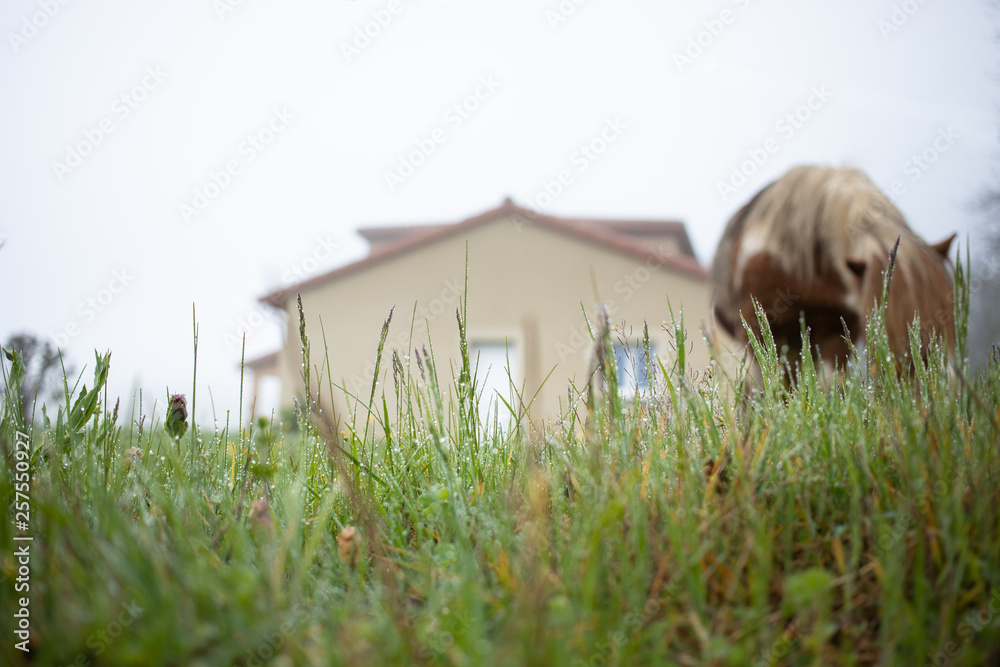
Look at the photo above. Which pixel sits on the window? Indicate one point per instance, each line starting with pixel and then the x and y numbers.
pixel 630 362
pixel 489 367
pixel 267 396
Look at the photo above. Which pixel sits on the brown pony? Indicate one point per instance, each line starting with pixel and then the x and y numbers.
pixel 817 242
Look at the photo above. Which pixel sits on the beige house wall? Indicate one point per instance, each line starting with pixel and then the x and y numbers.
pixel 526 284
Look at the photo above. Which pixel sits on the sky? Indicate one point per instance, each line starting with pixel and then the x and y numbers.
pixel 161 162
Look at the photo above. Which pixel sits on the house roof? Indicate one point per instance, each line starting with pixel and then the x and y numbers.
pixel 379 236
pixel 641 228
pixel 615 235
pixel 262 362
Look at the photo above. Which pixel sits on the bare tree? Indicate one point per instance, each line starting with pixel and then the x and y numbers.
pixel 43 371
pixel 984 281
pixel 984 284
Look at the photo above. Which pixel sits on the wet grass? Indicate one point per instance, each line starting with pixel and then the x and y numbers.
pixel 805 525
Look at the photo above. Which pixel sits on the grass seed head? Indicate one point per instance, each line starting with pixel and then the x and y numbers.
pixel 261 517
pixel 133 455
pixel 177 416
pixel 349 542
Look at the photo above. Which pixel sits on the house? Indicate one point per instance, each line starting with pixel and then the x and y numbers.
pixel 528 276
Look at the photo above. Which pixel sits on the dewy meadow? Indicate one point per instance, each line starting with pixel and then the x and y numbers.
pixel 447 397
pixel 848 524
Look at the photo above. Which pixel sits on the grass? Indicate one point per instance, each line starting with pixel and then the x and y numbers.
pixel 854 524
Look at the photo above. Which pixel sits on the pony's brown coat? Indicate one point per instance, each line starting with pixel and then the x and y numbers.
pixel 816 243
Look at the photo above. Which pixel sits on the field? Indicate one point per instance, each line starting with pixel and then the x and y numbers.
pixel 854 524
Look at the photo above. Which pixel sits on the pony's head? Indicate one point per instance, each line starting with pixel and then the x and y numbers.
pixel 815 245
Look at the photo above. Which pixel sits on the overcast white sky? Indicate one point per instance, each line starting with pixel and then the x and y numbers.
pixel 310 117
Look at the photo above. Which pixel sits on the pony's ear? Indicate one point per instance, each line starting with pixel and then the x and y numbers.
pixel 943 247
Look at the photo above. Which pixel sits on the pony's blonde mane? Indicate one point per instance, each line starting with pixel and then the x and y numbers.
pixel 834 225
pixel 815 219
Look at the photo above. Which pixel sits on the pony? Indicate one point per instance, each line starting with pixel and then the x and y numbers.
pixel 815 244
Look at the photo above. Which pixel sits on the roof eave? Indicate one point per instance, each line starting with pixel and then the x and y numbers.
pixel 685 264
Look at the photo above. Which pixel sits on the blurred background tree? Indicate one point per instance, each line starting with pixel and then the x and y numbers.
pixel 43 372
pixel 984 282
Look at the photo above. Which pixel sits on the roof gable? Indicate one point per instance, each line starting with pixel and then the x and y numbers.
pixel 613 235
pixel 669 233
